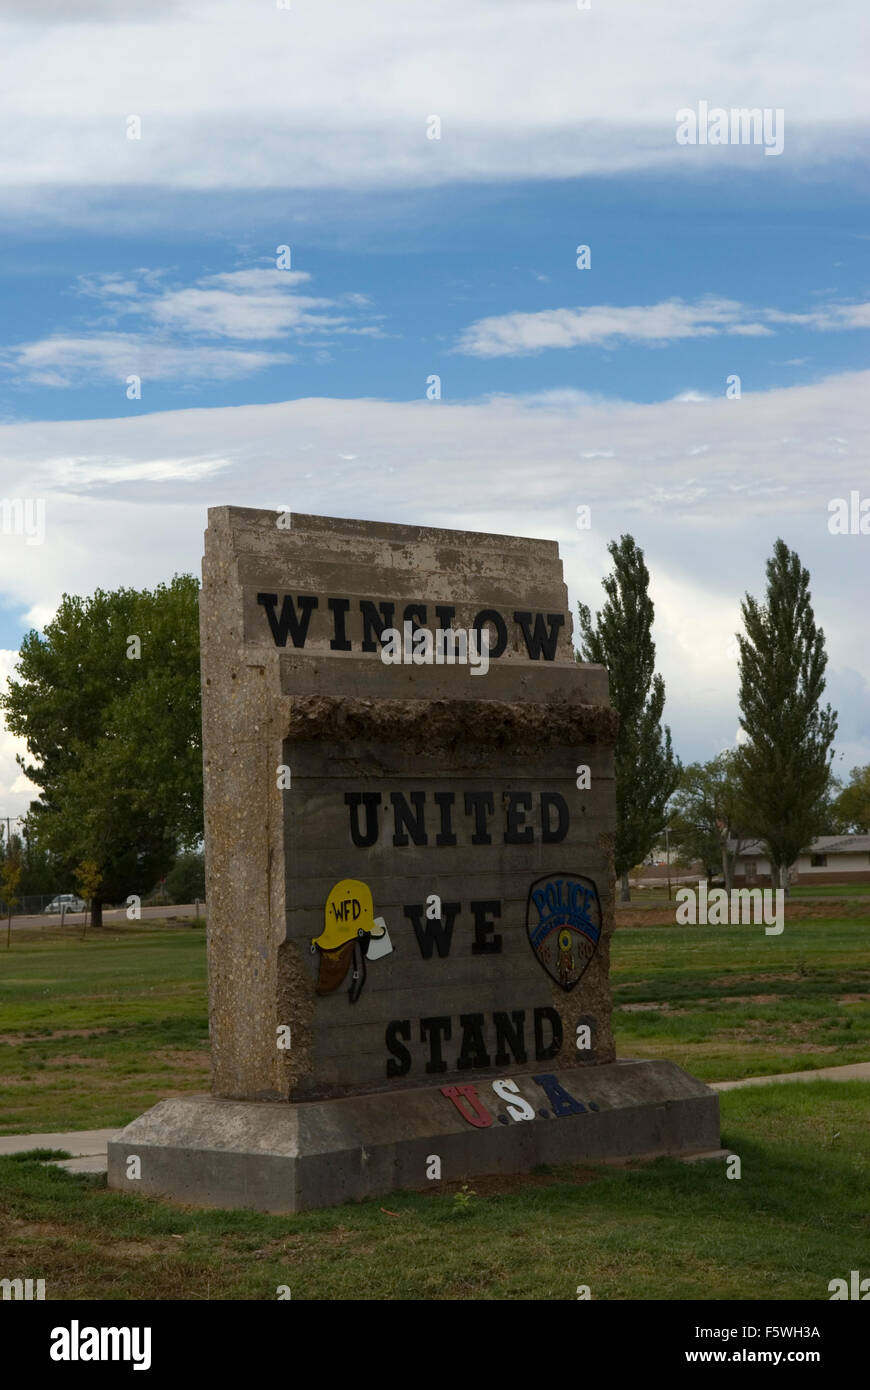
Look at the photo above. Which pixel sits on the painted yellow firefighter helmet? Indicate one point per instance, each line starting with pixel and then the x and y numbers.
pixel 348 913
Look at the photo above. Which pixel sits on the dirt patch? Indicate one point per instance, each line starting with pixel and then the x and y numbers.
pixel 498 1184
pixel 33 1228
pixel 67 1059
pixel 702 1003
pixel 138 1249
pixel 787 1036
pixel 854 999
pixel 15 1039
pixel 747 999
pixel 180 1057
pixel 752 979
pixel 644 917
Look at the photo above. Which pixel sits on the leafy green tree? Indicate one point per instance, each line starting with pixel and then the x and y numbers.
pixel 784 767
pixel 852 805
pixel 696 841
pixel 108 701
pixel 41 873
pixel 185 882
pixel 620 638
pixel 708 811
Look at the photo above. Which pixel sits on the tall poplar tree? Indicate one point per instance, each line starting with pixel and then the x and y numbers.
pixel 621 639
pixel 784 766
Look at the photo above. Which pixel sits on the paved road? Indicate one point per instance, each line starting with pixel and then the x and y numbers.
pixel 115 914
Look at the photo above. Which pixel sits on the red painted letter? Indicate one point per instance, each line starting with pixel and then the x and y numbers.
pixel 481 1118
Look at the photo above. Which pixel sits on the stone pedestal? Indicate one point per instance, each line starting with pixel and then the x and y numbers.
pixel 289 1158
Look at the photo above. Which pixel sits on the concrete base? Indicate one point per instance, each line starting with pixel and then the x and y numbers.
pixel 295 1157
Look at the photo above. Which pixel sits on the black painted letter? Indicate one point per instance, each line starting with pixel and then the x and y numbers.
pixel 288 621
pixel 539 640
pixel 399 1028
pixel 402 818
pixel 481 946
pixel 509 1036
pixel 479 803
pixel 431 1030
pixel 542 1053
pixel 371 801
pixel 436 932
pixel 473 1052
pixel 548 835
pixel 518 804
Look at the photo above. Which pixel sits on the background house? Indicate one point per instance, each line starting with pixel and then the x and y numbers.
pixel 829 859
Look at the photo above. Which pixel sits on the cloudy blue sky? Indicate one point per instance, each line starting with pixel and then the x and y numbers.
pixel 410 257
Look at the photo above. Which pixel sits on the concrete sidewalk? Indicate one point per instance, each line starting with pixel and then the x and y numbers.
pixel 88 1146
pixel 855 1071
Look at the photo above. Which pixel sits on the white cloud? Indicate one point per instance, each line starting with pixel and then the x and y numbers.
pixel 84 11
pixel 108 285
pixel 337 95
pixel 64 361
pixel 80 474
pixel 126 503
pixel 523 334
pixel 256 304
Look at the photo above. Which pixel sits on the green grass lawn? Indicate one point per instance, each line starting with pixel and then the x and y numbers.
pixel 728 1002
pixel 795 1219
pixel 93 1032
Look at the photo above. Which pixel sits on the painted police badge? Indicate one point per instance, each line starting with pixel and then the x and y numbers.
pixel 563 921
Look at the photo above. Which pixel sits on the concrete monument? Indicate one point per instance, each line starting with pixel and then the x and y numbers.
pixel 409 822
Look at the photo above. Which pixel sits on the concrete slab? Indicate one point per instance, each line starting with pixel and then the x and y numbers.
pixel 90 1163
pixel 854 1071
pixel 79 1142
pixel 280 1157
pixel 714 1156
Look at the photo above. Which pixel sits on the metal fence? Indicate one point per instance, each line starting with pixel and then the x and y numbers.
pixel 29 905
pixel 32 904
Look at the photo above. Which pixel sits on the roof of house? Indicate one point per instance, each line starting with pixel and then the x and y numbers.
pixel 823 844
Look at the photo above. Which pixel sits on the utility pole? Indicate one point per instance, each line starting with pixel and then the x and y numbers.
pixel 8 831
